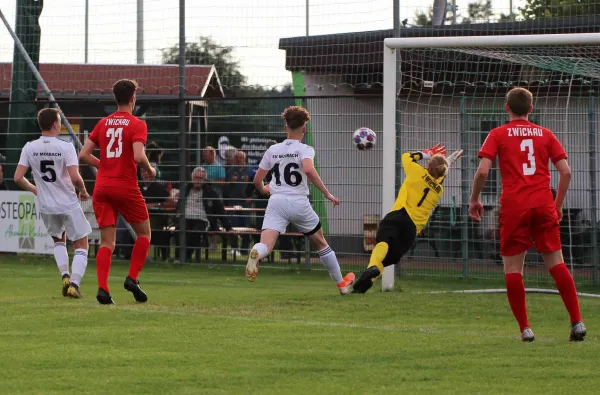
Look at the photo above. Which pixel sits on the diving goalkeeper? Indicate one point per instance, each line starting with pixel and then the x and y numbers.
pixel 418 196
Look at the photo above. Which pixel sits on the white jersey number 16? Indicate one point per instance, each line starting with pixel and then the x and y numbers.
pixel 114 134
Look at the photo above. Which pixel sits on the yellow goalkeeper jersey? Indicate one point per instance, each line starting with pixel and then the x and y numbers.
pixel 420 192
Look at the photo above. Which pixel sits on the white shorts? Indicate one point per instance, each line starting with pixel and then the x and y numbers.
pixel 282 210
pixel 75 223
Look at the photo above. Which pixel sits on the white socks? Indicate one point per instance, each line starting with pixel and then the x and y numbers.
pixel 329 260
pixel 262 249
pixel 79 265
pixel 62 257
pixel 62 261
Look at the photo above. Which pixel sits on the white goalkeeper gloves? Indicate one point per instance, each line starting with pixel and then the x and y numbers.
pixel 454 157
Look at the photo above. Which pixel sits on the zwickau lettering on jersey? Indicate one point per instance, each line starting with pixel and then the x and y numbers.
pixel 432 184
pixel 525 132
pixel 117 122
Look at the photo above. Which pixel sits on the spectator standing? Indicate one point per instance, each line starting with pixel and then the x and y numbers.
pixel 215 172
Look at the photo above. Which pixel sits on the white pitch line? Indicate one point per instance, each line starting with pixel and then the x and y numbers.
pixel 503 291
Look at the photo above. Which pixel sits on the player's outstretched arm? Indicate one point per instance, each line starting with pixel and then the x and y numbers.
pixel 454 156
pixel 437 149
pixel 78 182
pixel 22 182
pixel 310 171
pixel 564 171
pixel 85 155
pixel 475 206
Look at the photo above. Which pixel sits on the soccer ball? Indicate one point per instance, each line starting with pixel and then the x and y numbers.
pixel 364 138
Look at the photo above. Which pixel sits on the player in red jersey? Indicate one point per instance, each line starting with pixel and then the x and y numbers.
pixel 121 139
pixel 529 215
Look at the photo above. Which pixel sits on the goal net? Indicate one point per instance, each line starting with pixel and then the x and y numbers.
pixel 451 90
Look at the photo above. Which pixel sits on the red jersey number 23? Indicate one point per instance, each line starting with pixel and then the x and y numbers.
pixel 115 144
pixel 529 166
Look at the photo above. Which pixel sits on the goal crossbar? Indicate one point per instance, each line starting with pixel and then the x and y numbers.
pixel 493 41
pixel 391 73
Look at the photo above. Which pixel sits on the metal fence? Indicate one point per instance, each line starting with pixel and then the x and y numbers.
pixel 453 244
pixel 223 214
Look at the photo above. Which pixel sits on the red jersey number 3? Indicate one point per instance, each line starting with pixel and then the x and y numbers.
pixel 529 167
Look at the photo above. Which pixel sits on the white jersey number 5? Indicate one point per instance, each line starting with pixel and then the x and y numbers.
pixel 527 146
pixel 114 134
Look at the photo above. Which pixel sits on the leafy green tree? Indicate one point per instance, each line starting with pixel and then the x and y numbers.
pixel 479 12
pixel 536 9
pixel 425 18
pixel 207 52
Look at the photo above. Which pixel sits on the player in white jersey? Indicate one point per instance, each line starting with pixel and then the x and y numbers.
pixel 291 166
pixel 55 171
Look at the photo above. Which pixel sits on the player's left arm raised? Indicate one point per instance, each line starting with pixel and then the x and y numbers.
pixel 409 159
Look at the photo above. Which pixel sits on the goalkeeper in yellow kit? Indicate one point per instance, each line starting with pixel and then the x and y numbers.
pixel 418 196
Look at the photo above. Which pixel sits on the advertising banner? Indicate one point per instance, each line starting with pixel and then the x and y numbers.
pixel 21 225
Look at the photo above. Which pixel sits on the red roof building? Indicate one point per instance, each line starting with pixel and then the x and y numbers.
pixel 96 80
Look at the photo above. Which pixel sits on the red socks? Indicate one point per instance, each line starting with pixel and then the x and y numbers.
pixel 515 291
pixel 103 262
pixel 138 259
pixel 568 292
pixel 138 256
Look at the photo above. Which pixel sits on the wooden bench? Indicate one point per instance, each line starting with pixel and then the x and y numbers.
pixel 238 231
pixel 244 209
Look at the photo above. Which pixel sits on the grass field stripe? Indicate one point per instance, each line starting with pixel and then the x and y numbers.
pixel 387 328
pixel 152 309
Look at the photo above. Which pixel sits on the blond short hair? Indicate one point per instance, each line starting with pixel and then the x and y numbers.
pixel 438 166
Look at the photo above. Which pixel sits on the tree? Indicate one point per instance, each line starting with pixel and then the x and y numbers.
pixel 536 9
pixel 479 11
pixel 507 17
pixel 207 52
pixel 425 18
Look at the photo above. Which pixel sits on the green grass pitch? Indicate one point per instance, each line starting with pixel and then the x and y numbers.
pixel 209 331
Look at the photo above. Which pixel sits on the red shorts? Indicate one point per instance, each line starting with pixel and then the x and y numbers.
pixel 109 201
pixel 520 230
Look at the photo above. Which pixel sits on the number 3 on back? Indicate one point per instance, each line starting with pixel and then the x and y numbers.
pixel 528 168
pixel 114 134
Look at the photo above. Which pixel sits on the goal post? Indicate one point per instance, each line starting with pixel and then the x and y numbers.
pixel 562 54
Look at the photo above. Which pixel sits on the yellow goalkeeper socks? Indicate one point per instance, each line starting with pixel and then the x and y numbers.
pixel 378 255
